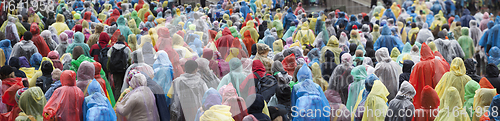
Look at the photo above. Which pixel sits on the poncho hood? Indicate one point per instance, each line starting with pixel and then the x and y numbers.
pixel 429 98
pixel 68 78
pixel 304 73
pixel 382 55
pixel 426 53
pixel 86 71
pixel 457 67
pixel 492 71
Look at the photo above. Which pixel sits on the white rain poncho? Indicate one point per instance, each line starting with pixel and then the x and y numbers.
pixel 138 64
pixel 206 74
pixel 388 71
pixel 47 36
pixel 138 104
pixel 163 71
pixel 188 93
pixel 402 101
pixel 475 33
pixel 424 34
pixel 341 77
pixel 449 49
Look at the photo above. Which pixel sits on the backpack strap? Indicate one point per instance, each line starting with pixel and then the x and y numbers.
pixel 256 74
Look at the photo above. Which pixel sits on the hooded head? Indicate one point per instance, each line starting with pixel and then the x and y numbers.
pixel 407 90
pixel 304 73
pixel 121 21
pixel 382 55
pixel 34 29
pixel 426 53
pixel 333 42
pixel 35 60
pixel 457 67
pixel 470 89
pixel 235 64
pixel 353 18
pixel 86 71
pixel 429 98
pixel 14 62
pixel 492 70
pixel 256 103
pixel 465 31
pixel 386 30
pixel 97 67
pixel 379 90
pixel 137 80
pixel 47 67
pixel 470 65
pixel 79 38
pixel 451 98
pixel 103 38
pixel 68 78
pixel 60 18
pixel 211 98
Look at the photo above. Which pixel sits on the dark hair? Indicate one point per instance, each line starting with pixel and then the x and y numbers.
pixel 121 38
pixel 25 18
pixel 190 66
pixel 5 71
pixel 413 25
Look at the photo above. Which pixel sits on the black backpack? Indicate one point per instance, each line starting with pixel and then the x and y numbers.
pixel 118 62
pixel 103 56
pixel 266 86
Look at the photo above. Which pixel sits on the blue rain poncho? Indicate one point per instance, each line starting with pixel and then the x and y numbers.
pixel 387 40
pixel 244 10
pixel 308 95
pixel 484 39
pixel 341 20
pixel 359 75
pixel 52 88
pixel 211 98
pixel 493 38
pixel 96 106
pixel 494 103
pixel 494 55
pixel 389 14
pixel 352 21
pixel 313 56
pixel 7 49
pixel 268 38
pixel 163 71
pixel 36 60
pixel 466 17
pixel 287 20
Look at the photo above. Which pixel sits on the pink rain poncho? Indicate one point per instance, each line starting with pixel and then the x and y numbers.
pixel 85 75
pixel 138 104
pixel 66 102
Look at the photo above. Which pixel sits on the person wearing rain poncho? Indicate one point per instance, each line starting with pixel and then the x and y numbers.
pixel 450 107
pixel 38 40
pixel 188 90
pixel 466 43
pixel 268 39
pixel 318 77
pixel 59 25
pixel 212 108
pixel 223 44
pixel 475 33
pixel 72 97
pixel 96 106
pixel 138 63
pixel 430 102
pixel 31 102
pixel 305 35
pixel 494 57
pixel 494 103
pixel 406 51
pixel 163 70
pixel 24 48
pixel 206 74
pixel 61 48
pixel 387 40
pixel 357 86
pixel 402 101
pixel 139 104
pixel 339 80
pixel 455 78
pixel 423 34
pixel 376 100
pixel 306 95
pixel 482 99
pixel 85 75
pixel 388 71
pixel 253 32
pixel 394 54
pixel 352 21
pixel 79 38
pixel 426 72
pixel 449 49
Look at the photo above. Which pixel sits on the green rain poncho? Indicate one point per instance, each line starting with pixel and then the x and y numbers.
pixel 31 102
pixel 235 75
pixel 406 50
pixel 376 100
pixel 333 45
pixel 455 78
pixel 359 75
pixel 395 54
pixel 136 18
pixel 466 43
pixel 470 91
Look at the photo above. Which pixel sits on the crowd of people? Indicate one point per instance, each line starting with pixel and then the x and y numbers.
pixel 249 60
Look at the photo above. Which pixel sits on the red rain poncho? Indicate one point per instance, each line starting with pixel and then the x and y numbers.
pixel 224 43
pixel 66 102
pixel 289 64
pixel 237 44
pixel 39 42
pixel 248 41
pixel 113 17
pixel 427 72
pixel 9 89
pixel 429 105
pixel 484 83
pixel 99 79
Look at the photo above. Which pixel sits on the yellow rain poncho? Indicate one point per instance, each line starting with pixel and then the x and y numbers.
pixel 402 31
pixel 450 107
pixel 31 102
pixel 376 32
pixel 333 45
pixel 154 36
pixel 432 45
pixel 277 47
pixel 253 32
pixel 305 35
pixel 421 6
pixel 217 113
pixel 394 54
pixel 376 101
pixel 455 78
pixel 439 19
pixel 318 77
pixel 59 25
pixel 178 44
pixel 143 10
pixel 413 31
pixel 482 100
pixel 233 53
pixel 395 9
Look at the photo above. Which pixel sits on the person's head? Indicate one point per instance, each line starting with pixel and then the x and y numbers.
pixel 27 35
pixel 191 66
pixel 25 18
pixel 6 72
pixel 121 38
pixel 413 25
pixel 359 53
pixel 341 26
